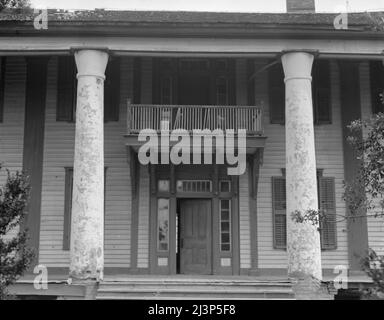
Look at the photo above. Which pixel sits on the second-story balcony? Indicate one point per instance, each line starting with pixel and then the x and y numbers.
pixel 195 117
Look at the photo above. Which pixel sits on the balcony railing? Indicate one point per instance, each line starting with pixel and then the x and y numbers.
pixel 190 117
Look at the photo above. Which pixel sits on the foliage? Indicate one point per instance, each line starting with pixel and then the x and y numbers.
pixel 370 152
pixel 314 217
pixel 15 257
pixel 373 265
pixel 377 20
pixel 14 4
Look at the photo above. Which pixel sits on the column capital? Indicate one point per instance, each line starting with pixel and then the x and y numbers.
pixel 315 53
pixel 297 65
pixel 91 62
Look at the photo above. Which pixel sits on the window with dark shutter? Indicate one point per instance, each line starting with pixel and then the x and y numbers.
pixel 327 204
pixel 279 213
pixel 68 205
pixel 66 89
pixel 112 91
pixel 276 92
pixel 321 86
pixel 2 86
pixel 377 86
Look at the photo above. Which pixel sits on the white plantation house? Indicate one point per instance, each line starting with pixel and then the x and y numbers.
pixel 75 97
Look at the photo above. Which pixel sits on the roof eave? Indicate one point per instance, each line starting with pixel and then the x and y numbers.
pixel 225 30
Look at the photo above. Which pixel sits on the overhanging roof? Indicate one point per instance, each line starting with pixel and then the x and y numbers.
pixel 105 22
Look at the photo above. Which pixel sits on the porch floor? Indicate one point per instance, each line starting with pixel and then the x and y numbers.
pixel 63 278
pixel 124 286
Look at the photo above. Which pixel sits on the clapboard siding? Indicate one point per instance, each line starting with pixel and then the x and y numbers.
pixel 12 127
pixel 329 156
pixel 58 154
pixel 245 223
pixel 244 219
pixel 274 160
pixel 375 225
pixel 143 234
pixel 144 196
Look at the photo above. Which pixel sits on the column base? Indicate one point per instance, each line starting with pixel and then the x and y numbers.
pixel 310 288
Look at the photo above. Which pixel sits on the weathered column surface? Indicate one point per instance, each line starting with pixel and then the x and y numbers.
pixel 87 229
pixel 303 239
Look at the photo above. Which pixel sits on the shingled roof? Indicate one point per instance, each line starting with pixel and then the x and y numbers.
pixel 364 21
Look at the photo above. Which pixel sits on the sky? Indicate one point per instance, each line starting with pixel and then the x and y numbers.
pixel 210 5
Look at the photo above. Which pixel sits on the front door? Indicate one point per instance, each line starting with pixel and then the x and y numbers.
pixel 195 237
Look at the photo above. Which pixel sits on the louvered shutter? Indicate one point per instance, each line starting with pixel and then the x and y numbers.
pixel 322 92
pixel 276 92
pixel 377 85
pixel 328 206
pixel 66 89
pixel 112 91
pixel 2 86
pixel 279 212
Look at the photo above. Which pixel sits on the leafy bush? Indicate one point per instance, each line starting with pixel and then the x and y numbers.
pixel 15 257
pixel 373 265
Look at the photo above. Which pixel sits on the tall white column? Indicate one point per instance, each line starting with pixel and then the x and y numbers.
pixel 87 229
pixel 303 239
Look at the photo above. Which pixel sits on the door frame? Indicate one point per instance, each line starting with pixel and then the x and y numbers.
pixel 174 173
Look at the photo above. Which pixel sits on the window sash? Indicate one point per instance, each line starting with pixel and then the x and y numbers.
pixel 225 225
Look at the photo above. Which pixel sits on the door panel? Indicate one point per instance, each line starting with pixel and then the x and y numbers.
pixel 195 237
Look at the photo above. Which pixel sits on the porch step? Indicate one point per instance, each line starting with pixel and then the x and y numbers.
pixel 194 289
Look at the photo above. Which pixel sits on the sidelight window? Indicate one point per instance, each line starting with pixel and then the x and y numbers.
pixel 162 224
pixel 225 225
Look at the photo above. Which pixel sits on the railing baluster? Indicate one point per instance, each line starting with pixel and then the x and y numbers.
pixel 192 123
pixel 191 118
pixel 141 117
pixel 156 118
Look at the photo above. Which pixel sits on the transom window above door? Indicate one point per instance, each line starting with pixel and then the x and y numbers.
pixel 194 186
